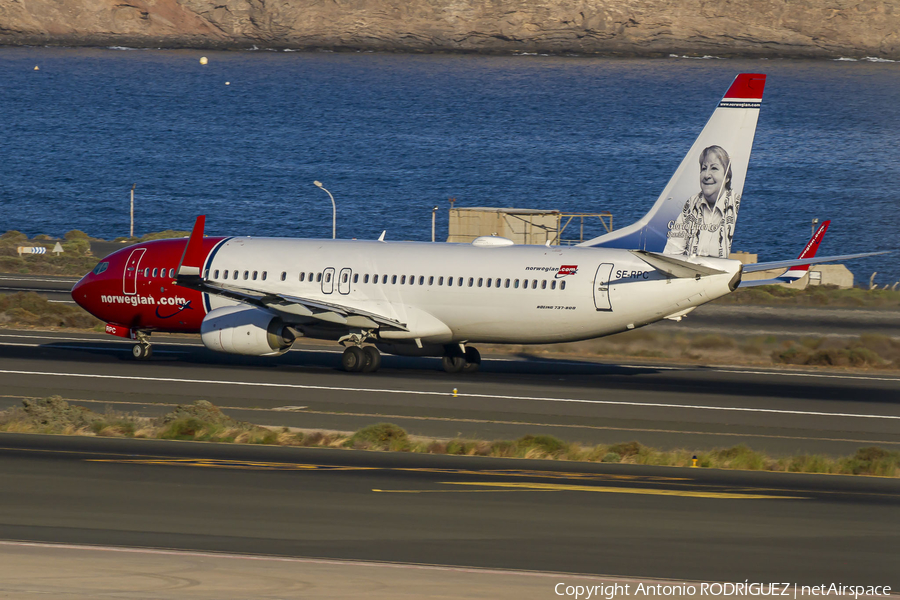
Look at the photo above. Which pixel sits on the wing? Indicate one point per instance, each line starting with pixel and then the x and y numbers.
pixel 189 275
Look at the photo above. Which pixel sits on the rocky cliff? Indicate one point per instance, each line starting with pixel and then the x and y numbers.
pixel 800 28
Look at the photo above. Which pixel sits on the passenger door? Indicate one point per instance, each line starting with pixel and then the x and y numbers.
pixel 344 280
pixel 328 280
pixel 132 267
pixel 601 287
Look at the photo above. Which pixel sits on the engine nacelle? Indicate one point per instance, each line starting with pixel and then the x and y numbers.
pixel 245 330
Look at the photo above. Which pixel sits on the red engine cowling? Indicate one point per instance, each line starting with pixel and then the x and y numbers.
pixel 245 330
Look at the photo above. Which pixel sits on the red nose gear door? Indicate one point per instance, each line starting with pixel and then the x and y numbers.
pixel 132 268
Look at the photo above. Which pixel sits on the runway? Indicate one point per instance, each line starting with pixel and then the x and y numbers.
pixel 662 405
pixel 55 289
pixel 684 524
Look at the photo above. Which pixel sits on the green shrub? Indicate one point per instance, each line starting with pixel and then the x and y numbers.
pixel 381 436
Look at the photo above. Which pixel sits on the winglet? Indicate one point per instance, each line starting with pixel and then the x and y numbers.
pixel 192 259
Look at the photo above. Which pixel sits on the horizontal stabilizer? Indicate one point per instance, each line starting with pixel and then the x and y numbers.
pixel 674 267
pixel 783 264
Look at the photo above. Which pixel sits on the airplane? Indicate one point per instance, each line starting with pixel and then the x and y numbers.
pixel 792 274
pixel 257 296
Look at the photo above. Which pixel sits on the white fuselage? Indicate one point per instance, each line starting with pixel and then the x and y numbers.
pixel 572 293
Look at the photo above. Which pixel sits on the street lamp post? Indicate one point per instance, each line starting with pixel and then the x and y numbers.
pixel 318 184
pixel 433 213
pixel 131 234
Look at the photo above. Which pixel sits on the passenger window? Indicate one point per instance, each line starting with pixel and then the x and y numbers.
pixel 431 280
pixel 489 282
pixel 264 275
pixel 421 280
pixel 412 280
pixel 471 281
pixel 440 281
pixel 562 285
pixel 553 285
pixel 101 267
pixel 506 284
pixel 246 275
pixel 402 279
pixel 234 275
pixel 283 275
pixel 516 284
pixel 147 272
pixel 224 274
pixel 356 278
pixel 310 277
pixel 459 282
pixel 318 278
pixel 394 279
pixel 255 273
pixel 544 284
pixel 534 284
pixel 328 278
pixel 449 281
pixel 345 278
pixel 155 272
pixel 302 276
pixel 216 274
pixel 480 281
pixel 498 283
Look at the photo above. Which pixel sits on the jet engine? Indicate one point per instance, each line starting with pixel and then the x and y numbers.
pixel 245 330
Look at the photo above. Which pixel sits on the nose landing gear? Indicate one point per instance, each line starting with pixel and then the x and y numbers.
pixel 142 350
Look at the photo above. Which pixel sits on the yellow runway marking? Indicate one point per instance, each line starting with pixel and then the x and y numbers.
pixel 278 466
pixel 618 490
pixel 231 464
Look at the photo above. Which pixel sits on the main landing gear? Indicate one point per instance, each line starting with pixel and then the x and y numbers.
pixel 142 350
pixel 361 359
pixel 457 360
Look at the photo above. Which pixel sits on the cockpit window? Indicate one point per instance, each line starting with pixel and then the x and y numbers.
pixel 100 268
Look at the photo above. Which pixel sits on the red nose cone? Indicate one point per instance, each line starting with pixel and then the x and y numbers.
pixel 81 292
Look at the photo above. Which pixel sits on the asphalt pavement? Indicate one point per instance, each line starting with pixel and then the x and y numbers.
pixel 779 411
pixel 686 524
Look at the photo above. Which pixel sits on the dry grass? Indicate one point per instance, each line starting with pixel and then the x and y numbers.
pixel 28 309
pixel 202 421
pixel 865 351
pixel 776 295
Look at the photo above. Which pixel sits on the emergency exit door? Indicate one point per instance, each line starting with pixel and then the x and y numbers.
pixel 601 287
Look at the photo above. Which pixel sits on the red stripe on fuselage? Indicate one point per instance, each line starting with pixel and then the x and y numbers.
pixel 158 303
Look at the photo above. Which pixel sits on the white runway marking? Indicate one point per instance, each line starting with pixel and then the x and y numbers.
pixel 461 395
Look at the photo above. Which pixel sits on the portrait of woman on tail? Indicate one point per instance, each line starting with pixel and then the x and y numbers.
pixel 705 226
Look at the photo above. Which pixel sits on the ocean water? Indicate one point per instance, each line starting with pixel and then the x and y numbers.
pixel 393 135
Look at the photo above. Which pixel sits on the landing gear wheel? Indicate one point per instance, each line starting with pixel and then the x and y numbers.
pixel 473 360
pixel 373 359
pixel 454 363
pixel 142 351
pixel 353 359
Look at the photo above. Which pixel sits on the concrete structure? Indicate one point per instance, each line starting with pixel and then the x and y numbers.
pixel 836 275
pixel 523 225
